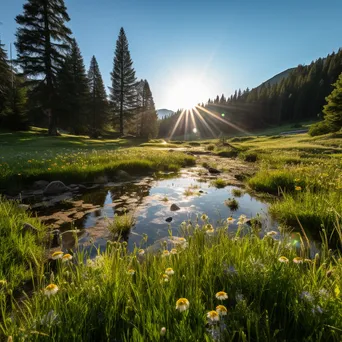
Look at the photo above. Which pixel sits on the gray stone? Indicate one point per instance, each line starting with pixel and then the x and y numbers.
pixel 212 170
pixel 169 219
pixel 41 184
pixel 101 179
pixel 24 206
pixel 174 207
pixel 28 228
pixel 122 175
pixel 55 188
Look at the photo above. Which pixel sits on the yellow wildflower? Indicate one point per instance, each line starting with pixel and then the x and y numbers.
pixel 57 255
pixel 222 310
pixel 283 259
pixel 169 271
pixel 50 290
pixel 213 316
pixel 182 304
pixel 221 295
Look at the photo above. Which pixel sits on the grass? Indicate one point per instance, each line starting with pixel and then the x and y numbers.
pixel 76 159
pixel 219 183
pixel 132 296
pixel 21 249
pixel 237 192
pixel 232 204
pixel 305 172
pixel 121 225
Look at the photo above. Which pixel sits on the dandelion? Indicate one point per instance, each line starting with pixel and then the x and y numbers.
pixel 283 259
pixel 169 271
pixel 204 217
pixel 182 304
pixel 162 331
pixel 141 252
pixel 131 271
pixel 210 229
pixel 221 295
pixel 51 290
pixel 173 251
pixel 166 253
pixel 66 257
pixel 57 255
pixel 165 277
pixel 298 260
pixel 230 220
pixel 222 310
pixel 271 233
pixel 298 188
pixel 213 316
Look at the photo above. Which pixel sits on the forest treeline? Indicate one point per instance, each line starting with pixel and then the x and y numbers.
pixel 299 96
pixel 48 85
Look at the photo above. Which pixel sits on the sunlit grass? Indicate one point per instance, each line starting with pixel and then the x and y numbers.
pixel 257 287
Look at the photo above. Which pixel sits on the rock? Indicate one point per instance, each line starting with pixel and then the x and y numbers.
pixel 212 170
pixel 174 207
pixel 200 191
pixel 171 150
pixel 55 188
pixel 122 174
pixel 27 227
pixel 41 184
pixel 24 206
pixel 169 219
pixel 101 179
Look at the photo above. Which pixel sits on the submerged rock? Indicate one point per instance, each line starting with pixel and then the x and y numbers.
pixel 38 185
pixel 122 175
pixel 174 207
pixel 101 179
pixel 212 170
pixel 55 188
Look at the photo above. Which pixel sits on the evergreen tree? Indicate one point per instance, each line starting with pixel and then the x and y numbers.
pixel 41 43
pixel 123 90
pixel 148 113
pixel 73 92
pixel 333 109
pixel 98 99
pixel 5 82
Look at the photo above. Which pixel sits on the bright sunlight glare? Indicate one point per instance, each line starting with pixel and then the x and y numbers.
pixel 188 92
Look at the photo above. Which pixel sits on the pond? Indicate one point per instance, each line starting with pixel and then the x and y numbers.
pixel 149 200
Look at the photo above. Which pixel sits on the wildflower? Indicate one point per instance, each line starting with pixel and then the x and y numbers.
pixel 239 297
pixel 49 168
pixel 181 239
pixel 323 293
pixel 307 296
pixel 51 289
pixel 271 233
pixel 230 220
pixel 222 310
pixel 66 257
pixel 162 331
pixel 298 188
pixel 242 219
pixel 169 271
pixel 165 253
pixel 131 271
pixel 309 261
pixel 29 161
pixel 141 252
pixel 173 251
pixel 19 174
pixel 57 255
pixel 317 309
pixel 182 304
pixel 221 295
pixel 298 260
pixel 283 259
pixel 165 277
pixel 213 316
pixel 210 229
pixel 204 217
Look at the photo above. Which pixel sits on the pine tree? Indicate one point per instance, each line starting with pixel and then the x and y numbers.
pixel 333 109
pixel 148 113
pixel 98 99
pixel 123 90
pixel 41 43
pixel 5 82
pixel 73 92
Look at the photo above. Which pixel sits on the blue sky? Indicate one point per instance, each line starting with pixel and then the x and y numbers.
pixel 218 45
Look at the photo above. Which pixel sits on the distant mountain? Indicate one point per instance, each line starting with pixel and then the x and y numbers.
pixel 277 78
pixel 164 112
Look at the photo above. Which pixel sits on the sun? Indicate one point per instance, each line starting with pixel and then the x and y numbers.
pixel 188 92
